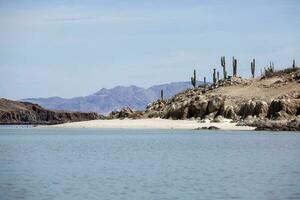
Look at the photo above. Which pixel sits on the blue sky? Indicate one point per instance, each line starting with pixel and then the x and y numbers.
pixel 74 48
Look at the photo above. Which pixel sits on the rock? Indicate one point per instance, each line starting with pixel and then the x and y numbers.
pixel 247 109
pixel 253 108
pixel 215 103
pixel 208 128
pixel 176 111
pixel 284 108
pixel 261 109
pixel 228 112
pixel 125 112
pixel 197 108
pixel 283 125
pixel 204 121
pixel 211 116
pixel 218 119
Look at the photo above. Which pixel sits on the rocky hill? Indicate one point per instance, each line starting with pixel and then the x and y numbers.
pixel 13 112
pixel 107 100
pixel 261 102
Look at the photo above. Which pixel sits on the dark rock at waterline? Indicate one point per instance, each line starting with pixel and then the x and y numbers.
pixel 208 128
pixel 292 125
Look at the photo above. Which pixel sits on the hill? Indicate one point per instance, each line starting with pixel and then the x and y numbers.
pixel 268 102
pixel 14 112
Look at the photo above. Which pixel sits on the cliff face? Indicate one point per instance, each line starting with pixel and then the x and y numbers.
pixel 13 112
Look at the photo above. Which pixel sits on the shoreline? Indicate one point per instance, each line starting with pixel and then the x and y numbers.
pixel 153 123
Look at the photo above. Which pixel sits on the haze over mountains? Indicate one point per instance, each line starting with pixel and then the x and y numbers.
pixel 107 100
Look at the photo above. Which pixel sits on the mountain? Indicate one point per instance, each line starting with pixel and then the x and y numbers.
pixel 107 100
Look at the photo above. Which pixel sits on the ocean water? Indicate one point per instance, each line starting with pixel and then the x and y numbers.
pixel 71 164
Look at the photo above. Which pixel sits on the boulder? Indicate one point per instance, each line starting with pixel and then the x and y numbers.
pixel 247 109
pixel 283 125
pixel 197 108
pixel 125 112
pixel 228 112
pixel 218 119
pixel 208 128
pixel 215 103
pixel 283 108
pixel 261 109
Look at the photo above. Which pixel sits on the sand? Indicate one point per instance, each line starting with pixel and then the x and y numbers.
pixel 150 124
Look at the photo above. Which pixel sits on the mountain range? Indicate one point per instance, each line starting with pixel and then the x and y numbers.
pixel 106 100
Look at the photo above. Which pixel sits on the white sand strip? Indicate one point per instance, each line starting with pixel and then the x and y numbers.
pixel 150 124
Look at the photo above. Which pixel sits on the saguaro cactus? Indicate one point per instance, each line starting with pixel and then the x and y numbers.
pixel 234 66
pixel 224 67
pixel 253 68
pixel 218 75
pixel 294 64
pixel 204 79
pixel 162 94
pixel 194 79
pixel 214 77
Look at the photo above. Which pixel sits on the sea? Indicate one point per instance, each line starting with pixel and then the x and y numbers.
pixel 113 164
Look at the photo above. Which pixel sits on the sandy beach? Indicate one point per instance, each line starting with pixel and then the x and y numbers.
pixel 150 124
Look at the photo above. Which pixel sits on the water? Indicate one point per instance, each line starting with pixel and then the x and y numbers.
pixel 89 164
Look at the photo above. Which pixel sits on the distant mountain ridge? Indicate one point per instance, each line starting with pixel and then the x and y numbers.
pixel 107 100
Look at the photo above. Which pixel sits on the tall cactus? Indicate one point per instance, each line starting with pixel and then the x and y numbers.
pixel 234 66
pixel 204 79
pixel 218 76
pixel 223 64
pixel 194 79
pixel 162 94
pixel 294 64
pixel 214 77
pixel 253 68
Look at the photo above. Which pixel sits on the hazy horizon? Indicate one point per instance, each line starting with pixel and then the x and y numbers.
pixel 74 48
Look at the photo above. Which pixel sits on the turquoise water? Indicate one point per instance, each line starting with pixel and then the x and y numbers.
pixel 89 164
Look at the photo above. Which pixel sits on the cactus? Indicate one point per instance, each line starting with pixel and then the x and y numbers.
pixel 294 64
pixel 234 66
pixel 270 69
pixel 218 75
pixel 253 68
pixel 214 77
pixel 162 94
pixel 224 67
pixel 194 80
pixel 204 80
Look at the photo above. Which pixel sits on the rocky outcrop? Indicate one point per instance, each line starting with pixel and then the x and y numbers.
pixel 204 103
pixel 284 108
pixel 253 108
pixel 273 125
pixel 289 125
pixel 13 112
pixel 125 112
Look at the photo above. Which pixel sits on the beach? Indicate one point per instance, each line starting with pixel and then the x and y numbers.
pixel 155 123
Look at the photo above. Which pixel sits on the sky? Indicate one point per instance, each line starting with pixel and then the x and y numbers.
pixel 74 48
